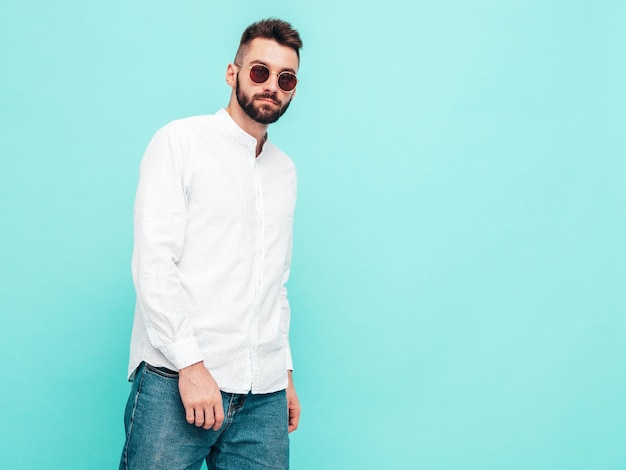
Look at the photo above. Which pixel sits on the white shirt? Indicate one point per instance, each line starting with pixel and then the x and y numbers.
pixel 213 235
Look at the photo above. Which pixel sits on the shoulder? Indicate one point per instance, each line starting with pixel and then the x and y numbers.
pixel 186 133
pixel 188 125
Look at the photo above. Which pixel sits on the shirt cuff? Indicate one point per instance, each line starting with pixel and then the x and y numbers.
pixel 183 353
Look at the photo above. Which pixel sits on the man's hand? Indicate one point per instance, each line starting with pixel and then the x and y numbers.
pixel 293 405
pixel 201 397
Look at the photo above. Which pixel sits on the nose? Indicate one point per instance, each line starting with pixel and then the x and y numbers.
pixel 271 84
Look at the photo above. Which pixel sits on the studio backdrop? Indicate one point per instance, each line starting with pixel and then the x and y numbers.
pixel 458 286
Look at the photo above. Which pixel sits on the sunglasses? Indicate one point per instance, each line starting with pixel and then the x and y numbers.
pixel 259 73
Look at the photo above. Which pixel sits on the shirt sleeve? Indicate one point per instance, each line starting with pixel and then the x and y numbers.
pixel 284 301
pixel 160 222
pixel 286 312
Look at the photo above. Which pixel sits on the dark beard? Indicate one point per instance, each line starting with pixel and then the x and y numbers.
pixel 262 114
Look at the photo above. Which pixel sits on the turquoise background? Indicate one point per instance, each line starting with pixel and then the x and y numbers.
pixel 458 284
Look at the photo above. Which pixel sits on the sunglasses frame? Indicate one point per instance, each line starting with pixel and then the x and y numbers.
pixel 278 74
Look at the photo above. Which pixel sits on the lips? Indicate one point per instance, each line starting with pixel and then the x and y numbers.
pixel 268 99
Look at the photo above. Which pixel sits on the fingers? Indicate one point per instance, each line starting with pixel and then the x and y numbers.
pixel 294 420
pixel 294 415
pixel 206 418
pixel 213 417
pixel 196 415
pixel 190 415
pixel 293 406
pixel 219 416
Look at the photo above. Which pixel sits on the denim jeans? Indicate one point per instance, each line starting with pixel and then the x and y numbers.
pixel 254 434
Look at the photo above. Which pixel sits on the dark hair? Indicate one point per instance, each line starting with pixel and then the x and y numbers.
pixel 271 28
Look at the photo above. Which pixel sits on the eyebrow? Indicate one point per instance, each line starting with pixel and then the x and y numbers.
pixel 286 69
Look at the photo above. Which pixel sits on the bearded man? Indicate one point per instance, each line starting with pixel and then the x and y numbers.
pixel 210 362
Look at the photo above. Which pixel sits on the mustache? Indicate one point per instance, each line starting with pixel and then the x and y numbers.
pixel 268 96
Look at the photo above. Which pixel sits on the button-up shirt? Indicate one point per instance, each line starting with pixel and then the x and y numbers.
pixel 213 236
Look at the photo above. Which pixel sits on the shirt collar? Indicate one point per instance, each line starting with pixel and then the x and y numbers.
pixel 236 131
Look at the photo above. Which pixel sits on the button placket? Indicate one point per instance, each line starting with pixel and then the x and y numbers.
pixel 258 269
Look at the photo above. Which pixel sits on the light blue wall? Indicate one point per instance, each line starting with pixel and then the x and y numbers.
pixel 459 279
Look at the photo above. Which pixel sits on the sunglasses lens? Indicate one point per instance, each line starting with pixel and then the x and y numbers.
pixel 259 73
pixel 287 81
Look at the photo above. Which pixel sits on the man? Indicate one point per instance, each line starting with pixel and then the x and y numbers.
pixel 210 359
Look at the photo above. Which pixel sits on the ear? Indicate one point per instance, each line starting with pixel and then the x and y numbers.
pixel 231 75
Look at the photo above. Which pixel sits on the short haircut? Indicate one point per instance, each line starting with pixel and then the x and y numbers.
pixel 271 28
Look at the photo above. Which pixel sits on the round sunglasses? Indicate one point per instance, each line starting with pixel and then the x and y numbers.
pixel 259 73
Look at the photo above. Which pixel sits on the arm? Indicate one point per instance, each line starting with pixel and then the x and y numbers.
pixel 293 403
pixel 160 222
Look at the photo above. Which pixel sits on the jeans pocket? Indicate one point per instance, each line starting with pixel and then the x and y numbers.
pixel 162 371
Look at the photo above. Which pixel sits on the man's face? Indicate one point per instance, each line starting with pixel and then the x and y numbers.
pixel 265 102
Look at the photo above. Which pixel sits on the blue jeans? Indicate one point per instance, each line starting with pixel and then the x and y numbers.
pixel 254 434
